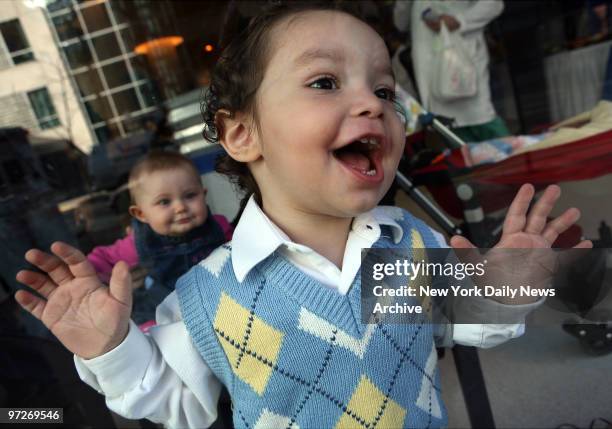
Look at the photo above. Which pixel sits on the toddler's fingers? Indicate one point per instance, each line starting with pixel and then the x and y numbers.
pixel 538 215
pixel 584 244
pixel 77 263
pixel 516 217
pixel 560 224
pixel 121 283
pixel 37 281
pixel 50 264
pixel 459 242
pixel 30 303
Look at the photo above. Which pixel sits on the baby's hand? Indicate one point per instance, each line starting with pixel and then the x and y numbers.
pixel 89 318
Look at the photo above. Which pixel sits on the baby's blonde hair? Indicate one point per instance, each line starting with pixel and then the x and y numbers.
pixel 156 161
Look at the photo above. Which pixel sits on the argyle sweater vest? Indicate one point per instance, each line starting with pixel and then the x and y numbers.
pixel 295 354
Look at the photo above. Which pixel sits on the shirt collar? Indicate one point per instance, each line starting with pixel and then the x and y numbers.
pixel 256 237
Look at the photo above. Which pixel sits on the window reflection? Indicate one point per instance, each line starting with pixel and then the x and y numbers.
pixel 116 74
pixel 95 17
pixel 106 46
pixel 150 94
pixel 67 26
pixel 78 55
pixel 15 41
pixel 107 132
pixel 126 101
pixel 89 82
pixel 98 109
pixel 43 108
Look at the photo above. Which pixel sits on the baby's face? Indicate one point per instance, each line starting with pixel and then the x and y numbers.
pixel 172 202
pixel 330 136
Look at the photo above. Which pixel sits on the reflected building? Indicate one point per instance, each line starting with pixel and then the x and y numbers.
pixel 37 93
pixel 113 80
pixel 124 62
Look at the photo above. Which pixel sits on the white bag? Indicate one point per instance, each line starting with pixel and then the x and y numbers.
pixel 454 73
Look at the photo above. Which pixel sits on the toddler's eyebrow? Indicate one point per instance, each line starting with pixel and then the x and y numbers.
pixel 333 55
pixel 314 54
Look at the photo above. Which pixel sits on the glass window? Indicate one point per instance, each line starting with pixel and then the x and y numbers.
pixel 55 5
pixel 89 82
pixel 13 35
pixel 106 132
pixel 140 67
pixel 106 46
pixel 116 74
pixel 67 26
pixel 99 110
pixel 119 13
pixel 128 39
pixel 15 41
pixel 95 17
pixel 134 124
pixel 43 108
pixel 78 55
pixel 126 101
pixel 150 94
pixel 23 57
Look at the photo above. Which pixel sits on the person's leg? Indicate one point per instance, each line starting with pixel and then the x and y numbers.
pixel 478 133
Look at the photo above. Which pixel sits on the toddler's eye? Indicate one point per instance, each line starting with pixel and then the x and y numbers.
pixel 385 94
pixel 163 202
pixel 191 195
pixel 327 82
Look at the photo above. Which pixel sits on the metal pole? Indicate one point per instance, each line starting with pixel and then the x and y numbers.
pixel 418 197
pixel 453 142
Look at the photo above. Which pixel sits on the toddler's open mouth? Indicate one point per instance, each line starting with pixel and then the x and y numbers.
pixel 363 156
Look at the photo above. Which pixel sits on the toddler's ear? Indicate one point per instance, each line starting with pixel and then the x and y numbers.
pixel 237 139
pixel 136 212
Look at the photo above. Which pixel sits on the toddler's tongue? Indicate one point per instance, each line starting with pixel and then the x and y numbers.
pixel 354 159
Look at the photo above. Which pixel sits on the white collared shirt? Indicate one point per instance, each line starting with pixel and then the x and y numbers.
pixel 258 237
pixel 162 376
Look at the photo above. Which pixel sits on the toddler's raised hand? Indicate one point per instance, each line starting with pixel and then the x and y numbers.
pixel 523 230
pixel 89 318
pixel 531 234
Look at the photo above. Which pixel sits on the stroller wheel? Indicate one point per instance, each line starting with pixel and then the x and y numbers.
pixel 597 347
pixel 595 336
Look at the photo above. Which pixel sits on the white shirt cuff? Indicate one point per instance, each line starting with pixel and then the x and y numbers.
pixel 486 335
pixel 120 369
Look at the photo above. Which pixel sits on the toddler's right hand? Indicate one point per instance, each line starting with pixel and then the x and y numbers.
pixel 89 318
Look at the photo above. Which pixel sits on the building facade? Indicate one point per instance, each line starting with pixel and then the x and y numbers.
pixel 95 71
pixel 36 91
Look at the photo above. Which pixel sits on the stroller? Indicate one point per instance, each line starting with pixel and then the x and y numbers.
pixel 472 192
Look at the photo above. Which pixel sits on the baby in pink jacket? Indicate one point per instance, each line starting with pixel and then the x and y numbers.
pixel 171 228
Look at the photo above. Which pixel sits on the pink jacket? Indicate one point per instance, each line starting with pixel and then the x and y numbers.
pixel 104 258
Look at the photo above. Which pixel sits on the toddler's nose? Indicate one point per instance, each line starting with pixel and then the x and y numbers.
pixel 366 103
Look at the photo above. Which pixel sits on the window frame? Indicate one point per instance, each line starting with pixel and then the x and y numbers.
pixel 20 52
pixel 45 122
